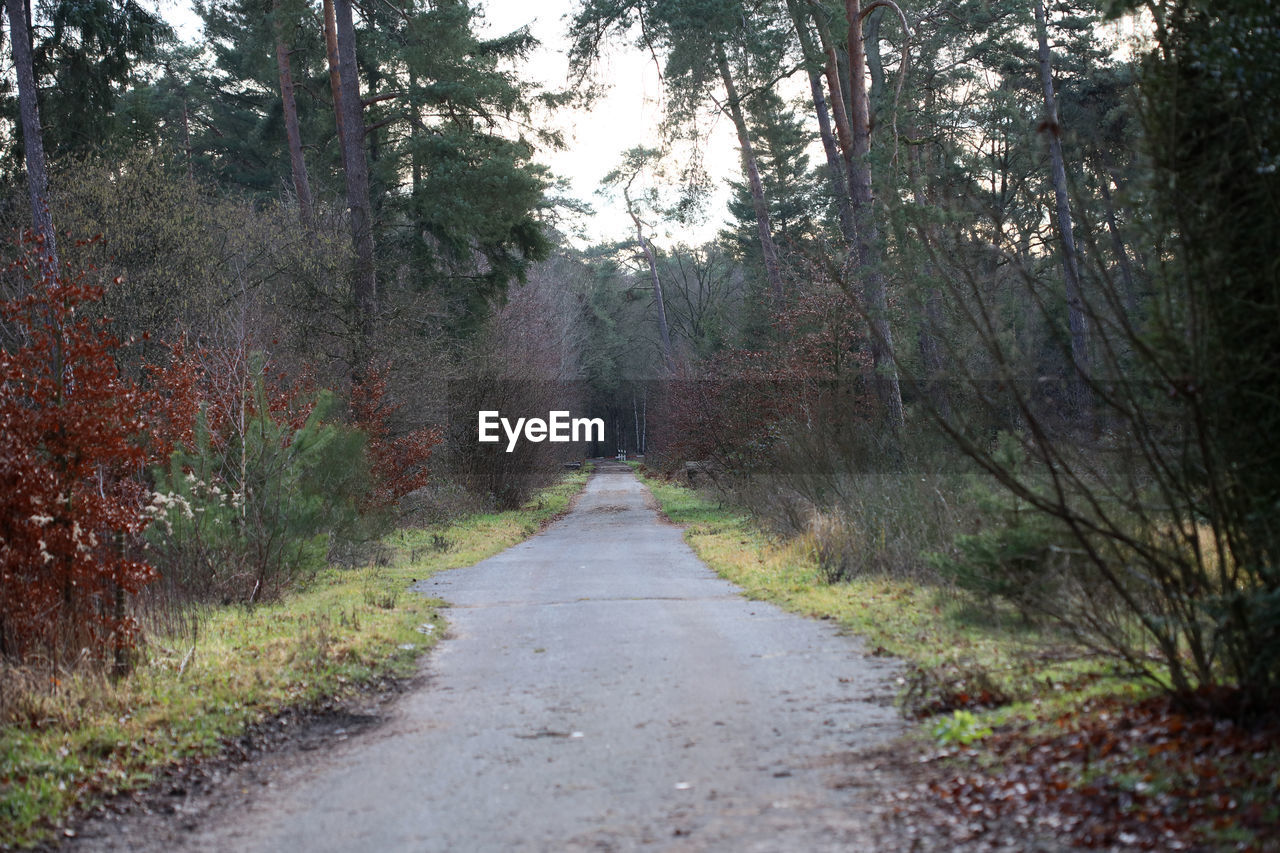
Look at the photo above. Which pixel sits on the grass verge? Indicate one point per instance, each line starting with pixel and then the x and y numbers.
pixel 1025 729
pixel 961 653
pixel 81 737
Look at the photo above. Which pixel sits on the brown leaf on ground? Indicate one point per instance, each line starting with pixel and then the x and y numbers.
pixel 1145 776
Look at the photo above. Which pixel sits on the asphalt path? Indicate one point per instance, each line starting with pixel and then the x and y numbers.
pixel 599 689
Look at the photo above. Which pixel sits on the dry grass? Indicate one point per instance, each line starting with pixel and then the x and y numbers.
pixel 864 523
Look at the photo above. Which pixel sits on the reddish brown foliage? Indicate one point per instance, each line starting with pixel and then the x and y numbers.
pixel 398 463
pixel 1145 776
pixel 225 382
pixel 71 452
pixel 172 400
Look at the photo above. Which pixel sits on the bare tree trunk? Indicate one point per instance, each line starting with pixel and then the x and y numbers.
pixel 836 90
pixel 635 416
pixel 301 185
pixel 871 44
pixel 859 112
pixel 837 174
pixel 186 141
pixel 32 138
pixel 931 353
pixel 860 194
pixel 836 171
pixel 335 74
pixel 415 157
pixel 664 332
pixel 120 652
pixel 1117 244
pixel 931 319
pixel 644 422
pixel 357 171
pixel 1077 320
pixel 768 248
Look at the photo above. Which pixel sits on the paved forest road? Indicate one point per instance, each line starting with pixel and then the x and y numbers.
pixel 601 689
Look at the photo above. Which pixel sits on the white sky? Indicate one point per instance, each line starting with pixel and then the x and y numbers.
pixel 628 115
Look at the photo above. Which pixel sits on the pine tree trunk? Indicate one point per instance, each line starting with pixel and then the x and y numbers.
pixel 836 90
pixel 335 74
pixel 1077 320
pixel 357 171
pixel 874 292
pixel 764 227
pixel 32 138
pixel 837 175
pixel 871 44
pixel 301 184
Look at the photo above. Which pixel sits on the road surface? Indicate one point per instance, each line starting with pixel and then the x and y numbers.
pixel 599 689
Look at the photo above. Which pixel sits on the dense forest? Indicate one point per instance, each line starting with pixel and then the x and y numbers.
pixel 994 304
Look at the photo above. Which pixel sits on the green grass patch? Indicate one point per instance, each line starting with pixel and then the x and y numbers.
pixel 1066 734
pixel 82 737
pixel 962 652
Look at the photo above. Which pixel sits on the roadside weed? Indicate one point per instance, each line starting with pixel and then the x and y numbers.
pixel 961 728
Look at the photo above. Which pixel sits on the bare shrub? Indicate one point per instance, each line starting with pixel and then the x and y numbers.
pixel 522 364
pixel 1153 455
pixel 441 501
pixel 859 513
